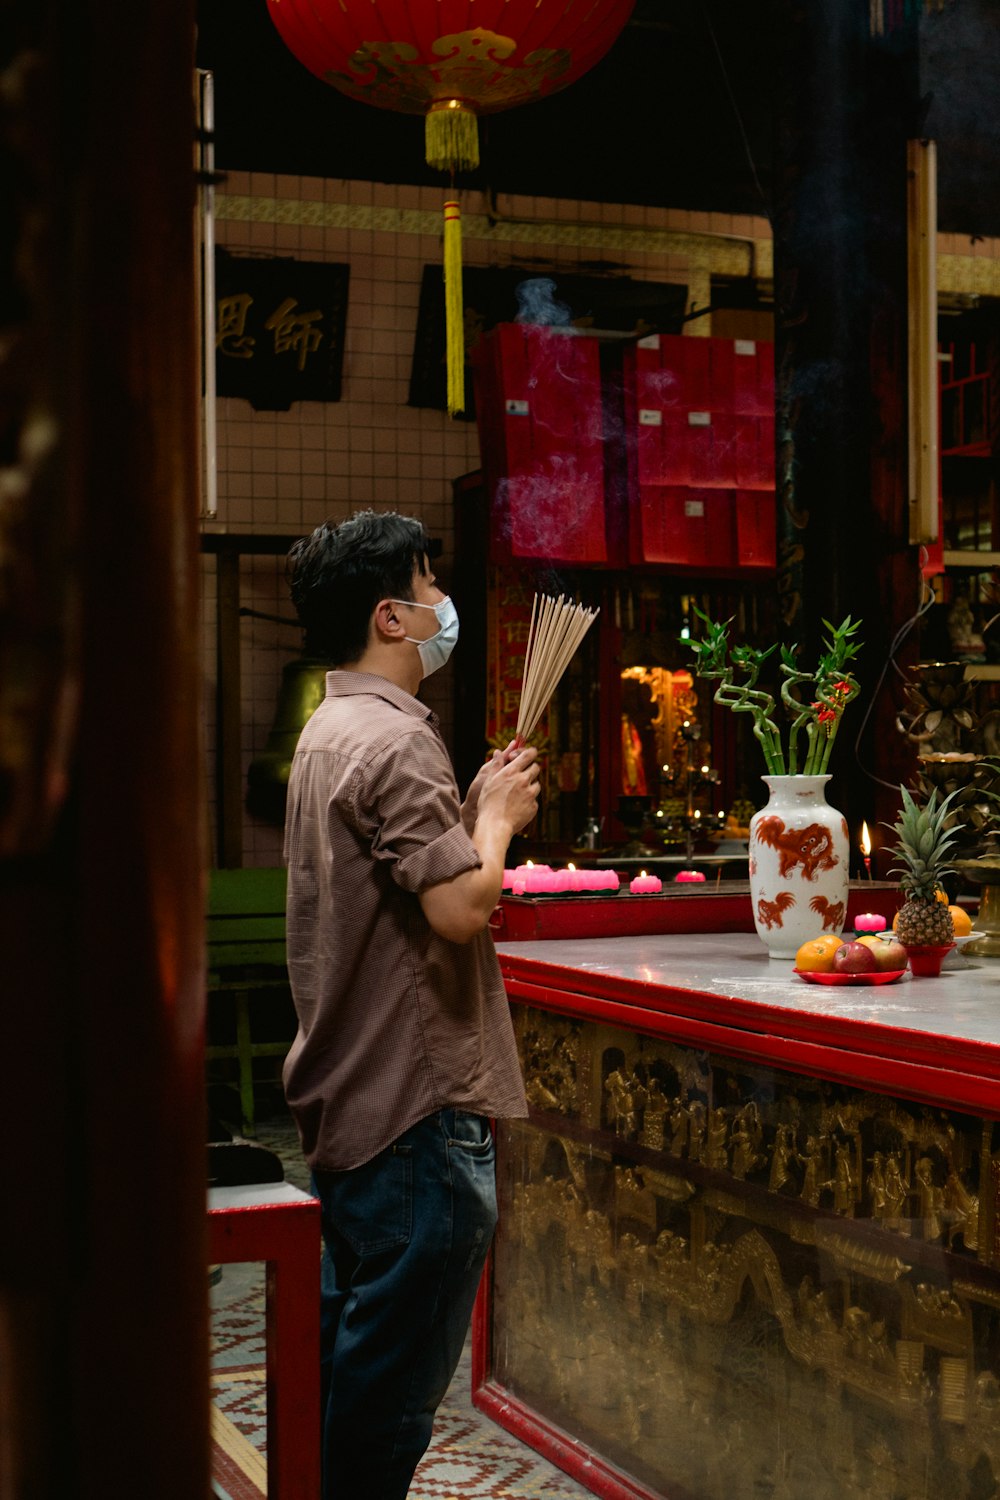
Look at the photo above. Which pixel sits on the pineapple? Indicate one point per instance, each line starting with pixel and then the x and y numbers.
pixel 923 845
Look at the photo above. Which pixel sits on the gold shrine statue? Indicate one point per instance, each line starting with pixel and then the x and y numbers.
pixel 656 702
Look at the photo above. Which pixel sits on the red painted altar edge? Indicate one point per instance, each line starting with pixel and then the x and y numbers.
pixel 929 1073
pixel 917 1064
pixel 566 1452
pixel 524 918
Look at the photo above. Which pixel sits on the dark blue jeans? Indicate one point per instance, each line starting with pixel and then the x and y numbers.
pixel 405 1237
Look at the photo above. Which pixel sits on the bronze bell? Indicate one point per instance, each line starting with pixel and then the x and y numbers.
pixel 303 688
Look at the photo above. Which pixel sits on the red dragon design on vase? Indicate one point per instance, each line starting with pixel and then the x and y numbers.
pixel 769 912
pixel 831 912
pixel 810 847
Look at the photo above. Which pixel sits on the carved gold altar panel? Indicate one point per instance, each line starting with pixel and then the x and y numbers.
pixel 739 1283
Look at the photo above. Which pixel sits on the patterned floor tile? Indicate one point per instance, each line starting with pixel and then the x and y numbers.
pixel 470 1457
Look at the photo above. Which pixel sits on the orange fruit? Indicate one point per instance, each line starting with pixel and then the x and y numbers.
pixel 940 895
pixel 895 922
pixel 816 956
pixel 961 921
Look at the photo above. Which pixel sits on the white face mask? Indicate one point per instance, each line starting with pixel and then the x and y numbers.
pixel 435 651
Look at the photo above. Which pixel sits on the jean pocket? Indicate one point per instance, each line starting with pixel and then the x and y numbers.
pixel 470 1133
pixel 374 1203
pixel 472 1165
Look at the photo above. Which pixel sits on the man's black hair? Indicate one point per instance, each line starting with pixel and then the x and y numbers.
pixel 339 574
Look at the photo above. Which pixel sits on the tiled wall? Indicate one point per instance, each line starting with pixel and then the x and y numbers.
pixel 286 472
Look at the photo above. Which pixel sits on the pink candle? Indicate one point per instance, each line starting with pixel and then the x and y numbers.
pixel 869 921
pixel 509 876
pixel 688 877
pixel 645 885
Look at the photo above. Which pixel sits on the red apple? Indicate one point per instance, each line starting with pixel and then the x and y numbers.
pixel 854 958
pixel 889 954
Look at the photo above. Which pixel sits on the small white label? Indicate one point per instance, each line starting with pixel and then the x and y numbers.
pixel 650 418
pixel 517 408
pixel 699 419
pixel 694 507
pixel 651 341
pixel 744 346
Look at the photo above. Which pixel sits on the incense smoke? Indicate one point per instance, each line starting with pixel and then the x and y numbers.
pixel 536 304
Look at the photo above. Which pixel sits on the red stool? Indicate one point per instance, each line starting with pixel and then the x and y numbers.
pixel 279 1224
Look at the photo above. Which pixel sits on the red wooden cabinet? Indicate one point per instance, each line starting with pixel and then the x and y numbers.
pixel 700 428
pixel 693 464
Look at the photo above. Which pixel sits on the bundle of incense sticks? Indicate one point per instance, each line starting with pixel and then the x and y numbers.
pixel 557 628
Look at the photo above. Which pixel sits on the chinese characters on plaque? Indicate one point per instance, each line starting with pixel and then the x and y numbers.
pixel 509 623
pixel 279 329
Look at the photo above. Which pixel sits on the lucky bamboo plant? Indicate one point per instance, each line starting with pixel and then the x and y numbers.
pixel 815 713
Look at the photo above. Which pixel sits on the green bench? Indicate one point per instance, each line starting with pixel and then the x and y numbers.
pixel 247 977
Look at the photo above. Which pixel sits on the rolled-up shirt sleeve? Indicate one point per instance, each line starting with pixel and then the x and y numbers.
pixel 412 799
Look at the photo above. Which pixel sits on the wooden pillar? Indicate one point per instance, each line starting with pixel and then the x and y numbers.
pixel 103 1324
pixel 845 104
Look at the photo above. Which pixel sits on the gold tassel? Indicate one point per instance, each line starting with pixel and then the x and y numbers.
pixel 453 311
pixel 451 134
pixel 451 137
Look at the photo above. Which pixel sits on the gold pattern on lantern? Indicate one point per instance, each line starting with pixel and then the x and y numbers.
pixel 472 66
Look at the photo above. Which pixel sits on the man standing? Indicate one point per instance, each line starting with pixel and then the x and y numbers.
pixel 405 1047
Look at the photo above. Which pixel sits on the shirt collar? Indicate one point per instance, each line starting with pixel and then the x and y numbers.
pixel 353 684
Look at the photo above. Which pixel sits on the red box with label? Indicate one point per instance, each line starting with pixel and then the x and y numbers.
pixel 714 450
pixel 753 378
pixel 687 527
pixel 541 425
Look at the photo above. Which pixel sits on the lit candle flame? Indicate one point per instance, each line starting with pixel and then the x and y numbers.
pixel 530 862
pixel 571 866
pixel 643 874
pixel 866 840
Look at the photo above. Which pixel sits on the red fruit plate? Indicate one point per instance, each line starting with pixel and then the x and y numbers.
pixel 884 976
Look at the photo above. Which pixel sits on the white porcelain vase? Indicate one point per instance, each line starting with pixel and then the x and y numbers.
pixel 799 865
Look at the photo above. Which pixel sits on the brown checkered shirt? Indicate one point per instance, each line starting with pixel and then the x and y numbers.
pixel 394 1021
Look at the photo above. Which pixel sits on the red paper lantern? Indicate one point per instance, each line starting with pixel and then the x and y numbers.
pixel 449 60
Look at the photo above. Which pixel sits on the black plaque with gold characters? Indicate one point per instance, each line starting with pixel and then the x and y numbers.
pixel 279 329
pixel 733 1281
